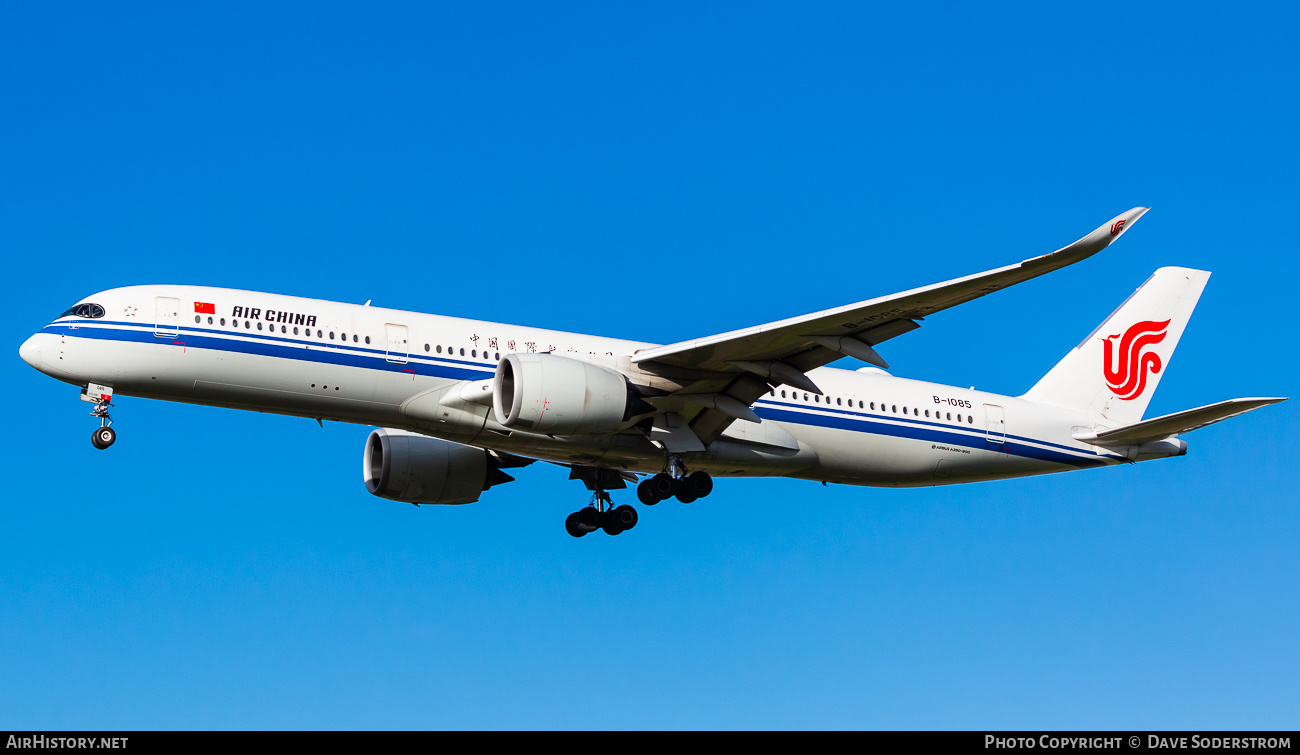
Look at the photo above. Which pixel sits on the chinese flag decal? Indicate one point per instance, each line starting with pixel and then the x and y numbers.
pixel 203 308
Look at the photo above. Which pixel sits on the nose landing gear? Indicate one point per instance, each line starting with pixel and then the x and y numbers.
pixel 101 397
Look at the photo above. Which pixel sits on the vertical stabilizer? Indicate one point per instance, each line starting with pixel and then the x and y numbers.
pixel 1114 372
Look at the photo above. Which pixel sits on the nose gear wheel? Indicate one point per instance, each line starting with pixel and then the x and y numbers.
pixel 104 435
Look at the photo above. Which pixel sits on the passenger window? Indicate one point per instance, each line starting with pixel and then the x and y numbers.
pixel 223 322
pixel 426 348
pixel 367 339
pixel 474 353
pixel 248 325
pixel 197 319
pixel 331 335
pixel 259 326
pixel 462 352
pixel 782 394
pixel 295 330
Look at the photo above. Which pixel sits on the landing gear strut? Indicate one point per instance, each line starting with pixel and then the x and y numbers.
pixel 104 435
pixel 674 481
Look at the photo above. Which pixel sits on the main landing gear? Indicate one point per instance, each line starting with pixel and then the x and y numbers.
pixel 104 435
pixel 601 515
pixel 674 481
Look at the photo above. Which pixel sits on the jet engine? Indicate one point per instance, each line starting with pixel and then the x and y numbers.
pixel 554 395
pixel 402 466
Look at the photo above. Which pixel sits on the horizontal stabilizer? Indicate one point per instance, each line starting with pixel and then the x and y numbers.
pixel 1174 424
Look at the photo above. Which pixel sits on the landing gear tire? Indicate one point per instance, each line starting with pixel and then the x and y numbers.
pixel 626 516
pixel 611 524
pixel 103 437
pixel 588 519
pixel 699 484
pixel 685 497
pixel 645 492
pixel 572 527
pixel 662 485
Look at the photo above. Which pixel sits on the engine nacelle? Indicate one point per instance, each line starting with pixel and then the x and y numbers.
pixel 402 466
pixel 554 395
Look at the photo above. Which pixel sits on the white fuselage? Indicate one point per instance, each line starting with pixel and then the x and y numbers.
pixel 390 368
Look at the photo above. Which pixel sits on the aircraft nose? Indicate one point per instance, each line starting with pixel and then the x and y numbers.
pixel 30 351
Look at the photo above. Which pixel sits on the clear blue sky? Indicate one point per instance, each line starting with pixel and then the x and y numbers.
pixel 653 172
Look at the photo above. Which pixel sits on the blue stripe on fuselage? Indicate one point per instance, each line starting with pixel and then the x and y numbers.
pixel 376 359
pixel 855 421
pixel 285 349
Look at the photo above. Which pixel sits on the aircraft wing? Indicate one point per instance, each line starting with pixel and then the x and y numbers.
pixel 781 352
pixel 875 320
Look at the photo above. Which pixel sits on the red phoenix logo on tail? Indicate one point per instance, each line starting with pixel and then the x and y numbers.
pixel 1117 226
pixel 1128 378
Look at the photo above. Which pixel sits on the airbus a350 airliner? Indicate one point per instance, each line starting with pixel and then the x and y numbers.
pixel 458 400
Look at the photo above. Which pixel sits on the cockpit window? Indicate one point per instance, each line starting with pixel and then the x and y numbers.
pixel 84 310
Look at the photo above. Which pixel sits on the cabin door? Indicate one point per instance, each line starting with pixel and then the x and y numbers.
pixel 996 429
pixel 167 323
pixel 397 348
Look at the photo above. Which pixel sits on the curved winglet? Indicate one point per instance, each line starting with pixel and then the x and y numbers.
pixel 1094 242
